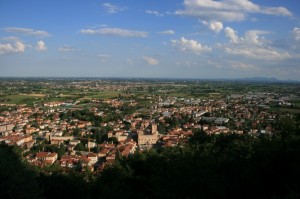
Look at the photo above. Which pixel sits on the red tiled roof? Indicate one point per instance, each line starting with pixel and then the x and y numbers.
pixel 41 154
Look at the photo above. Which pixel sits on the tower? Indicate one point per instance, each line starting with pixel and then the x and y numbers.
pixel 48 137
pixel 154 128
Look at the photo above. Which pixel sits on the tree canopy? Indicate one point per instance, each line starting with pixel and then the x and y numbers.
pixel 218 166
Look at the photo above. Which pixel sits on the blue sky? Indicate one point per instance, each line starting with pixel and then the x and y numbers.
pixel 178 38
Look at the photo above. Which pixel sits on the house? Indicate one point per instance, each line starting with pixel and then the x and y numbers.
pixel 74 142
pixel 93 157
pixel 68 161
pixel 221 120
pixel 46 157
pixel 104 152
pixel 41 156
pixel 90 145
pixel 30 130
pixel 51 158
pixel 127 148
pixel 85 161
pixel 13 139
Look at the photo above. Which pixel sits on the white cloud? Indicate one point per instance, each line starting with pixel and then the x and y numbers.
pixel 154 12
pixel 103 57
pixel 253 46
pixel 40 46
pixel 242 66
pixel 215 26
pixel 296 33
pixel 115 32
pixel 167 32
pixel 27 31
pixel 232 35
pixel 20 46
pixel 16 47
pixel 186 45
pixel 10 38
pixel 279 11
pixel 67 48
pixel 251 36
pixel 259 53
pixel 150 60
pixel 227 10
pixel 112 8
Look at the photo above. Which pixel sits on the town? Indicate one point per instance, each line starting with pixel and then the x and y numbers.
pixel 86 125
pixel 148 138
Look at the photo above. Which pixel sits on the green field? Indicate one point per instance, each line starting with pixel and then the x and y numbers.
pixel 76 95
pixel 286 110
pixel 101 95
pixel 21 99
pixel 289 110
pixel 297 105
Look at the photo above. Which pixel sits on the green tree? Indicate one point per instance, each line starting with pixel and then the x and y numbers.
pixel 285 128
pixel 79 147
pixel 61 150
pixel 76 132
pixel 17 179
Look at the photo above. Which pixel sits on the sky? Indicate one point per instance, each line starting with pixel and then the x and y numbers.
pixel 203 39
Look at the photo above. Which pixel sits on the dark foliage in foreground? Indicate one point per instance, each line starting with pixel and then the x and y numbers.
pixel 224 166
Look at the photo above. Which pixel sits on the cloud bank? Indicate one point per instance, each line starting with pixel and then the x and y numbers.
pixel 114 32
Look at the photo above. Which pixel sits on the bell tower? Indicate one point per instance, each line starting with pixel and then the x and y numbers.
pixel 154 128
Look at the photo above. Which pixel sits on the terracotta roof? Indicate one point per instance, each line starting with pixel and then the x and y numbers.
pixel 41 154
pixel 92 155
pixel 52 155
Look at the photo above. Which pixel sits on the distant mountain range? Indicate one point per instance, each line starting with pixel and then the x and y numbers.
pixel 263 79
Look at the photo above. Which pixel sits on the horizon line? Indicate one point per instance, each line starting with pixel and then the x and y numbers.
pixel 264 79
